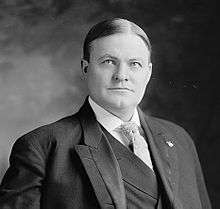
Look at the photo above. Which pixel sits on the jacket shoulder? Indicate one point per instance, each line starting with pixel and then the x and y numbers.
pixel 64 131
pixel 181 135
pixel 164 123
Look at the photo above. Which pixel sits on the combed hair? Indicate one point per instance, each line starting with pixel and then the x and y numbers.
pixel 110 27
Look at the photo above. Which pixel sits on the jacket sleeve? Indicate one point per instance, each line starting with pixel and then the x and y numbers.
pixel 22 184
pixel 204 198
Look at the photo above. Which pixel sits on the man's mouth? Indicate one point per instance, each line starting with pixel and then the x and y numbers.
pixel 121 89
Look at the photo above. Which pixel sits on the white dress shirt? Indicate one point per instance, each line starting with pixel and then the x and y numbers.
pixel 110 122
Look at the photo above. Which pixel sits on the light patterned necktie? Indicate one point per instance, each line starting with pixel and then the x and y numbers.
pixel 136 142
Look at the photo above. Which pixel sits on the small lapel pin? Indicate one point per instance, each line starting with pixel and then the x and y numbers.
pixel 169 143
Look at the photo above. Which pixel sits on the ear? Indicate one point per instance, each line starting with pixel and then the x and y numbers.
pixel 149 69
pixel 84 66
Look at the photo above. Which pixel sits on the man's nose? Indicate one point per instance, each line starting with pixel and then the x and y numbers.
pixel 121 73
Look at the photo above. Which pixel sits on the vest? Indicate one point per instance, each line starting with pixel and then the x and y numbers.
pixel 140 182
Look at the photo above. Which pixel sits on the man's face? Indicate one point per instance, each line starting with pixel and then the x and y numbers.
pixel 118 71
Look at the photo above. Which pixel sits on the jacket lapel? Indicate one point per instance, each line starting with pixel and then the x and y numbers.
pixel 100 162
pixel 163 149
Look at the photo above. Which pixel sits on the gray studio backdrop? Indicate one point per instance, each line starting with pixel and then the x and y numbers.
pixel 40 76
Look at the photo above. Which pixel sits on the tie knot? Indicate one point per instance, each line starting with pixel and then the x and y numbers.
pixel 129 129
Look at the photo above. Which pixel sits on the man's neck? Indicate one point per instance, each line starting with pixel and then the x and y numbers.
pixel 124 114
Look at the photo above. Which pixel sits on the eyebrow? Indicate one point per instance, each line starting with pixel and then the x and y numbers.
pixel 115 58
pixel 136 58
pixel 107 55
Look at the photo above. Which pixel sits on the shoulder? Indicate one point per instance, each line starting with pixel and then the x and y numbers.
pixel 181 136
pixel 64 131
pixel 168 125
pixel 182 140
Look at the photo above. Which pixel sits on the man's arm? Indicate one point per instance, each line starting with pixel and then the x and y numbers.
pixel 199 175
pixel 22 183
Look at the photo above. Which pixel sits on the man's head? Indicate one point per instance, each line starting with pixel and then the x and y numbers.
pixel 117 66
pixel 110 27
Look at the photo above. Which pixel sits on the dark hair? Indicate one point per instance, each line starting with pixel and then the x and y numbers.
pixel 110 27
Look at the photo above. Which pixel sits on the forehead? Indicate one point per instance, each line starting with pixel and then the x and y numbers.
pixel 122 45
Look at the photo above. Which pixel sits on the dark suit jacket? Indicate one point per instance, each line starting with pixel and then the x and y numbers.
pixel 70 164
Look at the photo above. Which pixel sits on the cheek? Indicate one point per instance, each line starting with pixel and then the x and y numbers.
pixel 97 81
pixel 141 82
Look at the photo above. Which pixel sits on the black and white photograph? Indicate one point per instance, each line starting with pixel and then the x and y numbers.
pixel 109 104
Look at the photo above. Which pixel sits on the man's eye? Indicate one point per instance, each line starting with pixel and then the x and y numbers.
pixel 109 62
pixel 136 64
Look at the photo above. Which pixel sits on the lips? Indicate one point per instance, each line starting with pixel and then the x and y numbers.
pixel 120 89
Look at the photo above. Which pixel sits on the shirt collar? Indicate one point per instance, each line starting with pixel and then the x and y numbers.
pixel 108 120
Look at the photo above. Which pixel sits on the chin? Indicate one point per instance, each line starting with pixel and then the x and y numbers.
pixel 120 104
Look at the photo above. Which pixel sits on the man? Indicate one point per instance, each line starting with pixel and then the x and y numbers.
pixel 109 154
